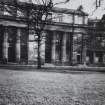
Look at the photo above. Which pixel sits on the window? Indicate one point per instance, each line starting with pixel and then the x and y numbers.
pixel 68 18
pixel 86 20
pixel 57 17
pixel 21 13
pixel 60 18
pixel 78 19
pixel 77 42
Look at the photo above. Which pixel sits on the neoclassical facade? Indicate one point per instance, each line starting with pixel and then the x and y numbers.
pixel 13 42
pixel 14 33
pixel 64 37
pixel 63 43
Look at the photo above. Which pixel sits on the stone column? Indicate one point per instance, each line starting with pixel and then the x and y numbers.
pixel 53 54
pixel 84 55
pixel 64 56
pixel 5 46
pixel 18 45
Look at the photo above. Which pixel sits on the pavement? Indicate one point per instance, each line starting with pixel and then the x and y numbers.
pixel 51 88
pixel 53 68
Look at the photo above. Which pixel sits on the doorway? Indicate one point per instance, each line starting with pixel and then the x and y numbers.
pixel 12 33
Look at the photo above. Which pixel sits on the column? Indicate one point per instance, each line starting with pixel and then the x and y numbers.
pixel 18 45
pixel 71 48
pixel 64 56
pixel 5 45
pixel 84 55
pixel 53 54
pixel 24 45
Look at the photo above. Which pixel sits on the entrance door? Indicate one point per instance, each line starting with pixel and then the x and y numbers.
pixel 11 53
pixel 12 44
pixel 91 57
pixel 78 59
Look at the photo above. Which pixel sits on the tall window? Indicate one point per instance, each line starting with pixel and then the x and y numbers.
pixel 77 42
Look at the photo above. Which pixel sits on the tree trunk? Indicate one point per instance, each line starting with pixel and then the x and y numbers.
pixel 38 53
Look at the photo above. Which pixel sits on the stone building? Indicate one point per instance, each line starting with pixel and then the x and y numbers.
pixel 13 33
pixel 64 35
pixel 95 47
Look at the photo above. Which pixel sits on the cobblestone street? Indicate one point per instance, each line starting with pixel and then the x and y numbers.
pixel 47 88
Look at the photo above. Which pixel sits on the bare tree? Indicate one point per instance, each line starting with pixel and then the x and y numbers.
pixel 39 18
pixel 97 4
pixel 38 12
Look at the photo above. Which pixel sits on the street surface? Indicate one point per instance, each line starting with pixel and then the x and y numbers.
pixel 50 88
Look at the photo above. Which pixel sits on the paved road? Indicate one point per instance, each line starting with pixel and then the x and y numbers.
pixel 47 88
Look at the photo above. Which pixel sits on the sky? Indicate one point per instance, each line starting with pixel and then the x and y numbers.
pixel 88 5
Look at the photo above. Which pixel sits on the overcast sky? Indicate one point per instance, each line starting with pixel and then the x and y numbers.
pixel 88 5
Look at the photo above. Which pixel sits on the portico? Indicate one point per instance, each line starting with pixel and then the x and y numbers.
pixel 59 50
pixel 12 41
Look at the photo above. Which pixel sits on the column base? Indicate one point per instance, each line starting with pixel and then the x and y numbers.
pixel 18 60
pixel 23 61
pixel 4 61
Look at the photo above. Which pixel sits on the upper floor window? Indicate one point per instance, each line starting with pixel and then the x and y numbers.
pixel 57 17
pixel 68 18
pixel 21 13
pixel 86 20
pixel 78 19
pixel 60 18
pixel 47 17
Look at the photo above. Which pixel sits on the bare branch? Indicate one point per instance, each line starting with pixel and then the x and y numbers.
pixel 43 1
pixel 63 2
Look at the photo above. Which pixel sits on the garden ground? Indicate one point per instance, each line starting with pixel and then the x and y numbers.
pixel 51 88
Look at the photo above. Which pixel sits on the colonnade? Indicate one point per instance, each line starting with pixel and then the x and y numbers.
pixel 11 47
pixel 63 50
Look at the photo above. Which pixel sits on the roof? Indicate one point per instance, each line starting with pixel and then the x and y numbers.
pixel 69 11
